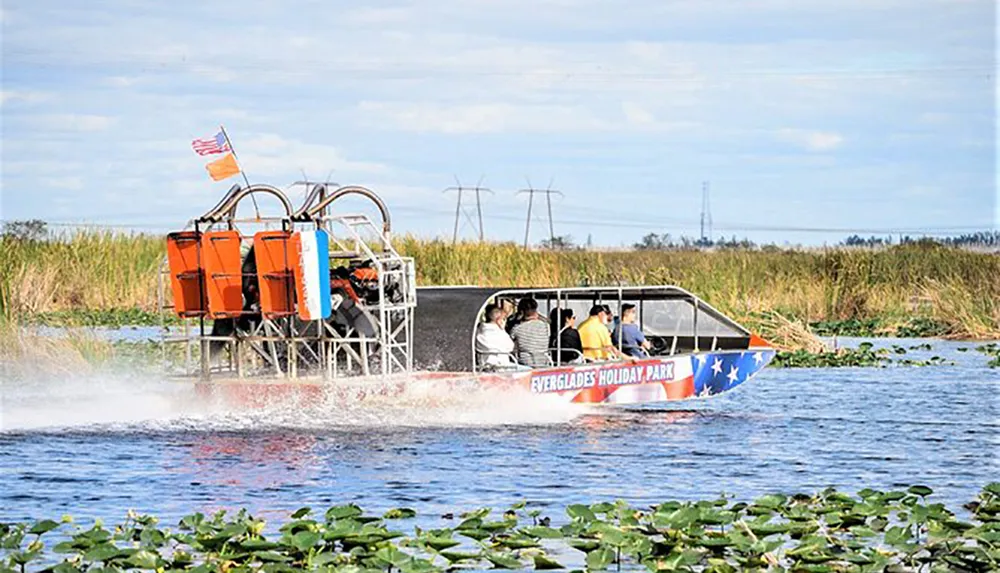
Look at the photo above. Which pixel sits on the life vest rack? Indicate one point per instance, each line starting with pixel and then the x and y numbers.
pixel 313 293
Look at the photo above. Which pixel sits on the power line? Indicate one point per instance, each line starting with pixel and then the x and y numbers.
pixel 706 212
pixel 548 192
pixel 478 190
pixel 608 223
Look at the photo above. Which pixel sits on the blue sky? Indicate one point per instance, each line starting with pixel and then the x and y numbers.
pixel 854 114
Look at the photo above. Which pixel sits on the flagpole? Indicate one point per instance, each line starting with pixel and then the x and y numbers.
pixel 243 173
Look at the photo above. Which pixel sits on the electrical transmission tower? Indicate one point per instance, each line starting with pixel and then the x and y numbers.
pixel 706 213
pixel 460 209
pixel 548 192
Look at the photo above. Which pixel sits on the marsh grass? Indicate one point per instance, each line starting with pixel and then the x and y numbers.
pixel 112 272
pixel 82 270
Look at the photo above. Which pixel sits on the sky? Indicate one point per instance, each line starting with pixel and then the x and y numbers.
pixel 809 119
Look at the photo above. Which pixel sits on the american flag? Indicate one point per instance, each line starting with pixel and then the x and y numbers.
pixel 217 144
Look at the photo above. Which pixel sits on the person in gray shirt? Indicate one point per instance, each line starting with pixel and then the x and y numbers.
pixel 531 335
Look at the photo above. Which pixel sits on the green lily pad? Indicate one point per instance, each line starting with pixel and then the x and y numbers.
pixel 585 545
pixel 258 544
pixel 477 534
pixel 542 532
pixel 580 511
pixel 519 542
pixel 439 543
pixel 301 512
pixel 392 556
pixel 103 552
pixel 144 560
pixel 599 559
pixel 342 512
pixel 305 540
pixel 470 523
pixel 43 526
pixel 399 513
pixel 503 561
pixel 271 556
pixel 543 562
pixel 497 525
pixel 456 556
pixel 772 501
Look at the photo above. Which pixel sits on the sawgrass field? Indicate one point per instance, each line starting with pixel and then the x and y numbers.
pixel 108 274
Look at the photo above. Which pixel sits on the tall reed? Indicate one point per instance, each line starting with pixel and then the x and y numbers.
pixel 102 270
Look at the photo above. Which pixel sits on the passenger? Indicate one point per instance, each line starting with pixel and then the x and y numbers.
pixel 507 306
pixel 511 317
pixel 494 347
pixel 612 322
pixel 628 333
pixel 531 335
pixel 595 337
pixel 564 342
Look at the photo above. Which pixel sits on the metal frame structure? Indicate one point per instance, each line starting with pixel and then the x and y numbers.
pixel 376 339
pixel 559 296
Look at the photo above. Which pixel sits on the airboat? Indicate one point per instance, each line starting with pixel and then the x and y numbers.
pixel 317 300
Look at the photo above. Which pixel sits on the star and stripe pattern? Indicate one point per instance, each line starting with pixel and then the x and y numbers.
pixel 216 144
pixel 717 372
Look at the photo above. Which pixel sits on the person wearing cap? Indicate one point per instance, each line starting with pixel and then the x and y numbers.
pixel 595 336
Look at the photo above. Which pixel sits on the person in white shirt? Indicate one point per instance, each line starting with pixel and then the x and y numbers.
pixel 494 347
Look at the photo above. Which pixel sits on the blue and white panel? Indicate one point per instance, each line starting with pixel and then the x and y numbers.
pixel 314 275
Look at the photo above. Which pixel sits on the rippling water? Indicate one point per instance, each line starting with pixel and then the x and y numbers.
pixel 95 447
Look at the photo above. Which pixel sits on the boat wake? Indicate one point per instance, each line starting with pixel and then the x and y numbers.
pixel 120 402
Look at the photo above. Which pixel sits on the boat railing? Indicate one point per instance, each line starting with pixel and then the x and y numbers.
pixel 383 341
pixel 695 325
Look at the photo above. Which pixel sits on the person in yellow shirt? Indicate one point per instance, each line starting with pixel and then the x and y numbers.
pixel 595 336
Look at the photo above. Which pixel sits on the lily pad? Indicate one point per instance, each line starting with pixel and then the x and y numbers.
pixel 581 512
pixel 399 513
pixel 43 526
pixel 599 559
pixel 543 562
pixel 503 561
pixel 456 556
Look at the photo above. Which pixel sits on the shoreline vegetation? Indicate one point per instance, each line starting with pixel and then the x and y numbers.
pixel 827 531
pixel 790 297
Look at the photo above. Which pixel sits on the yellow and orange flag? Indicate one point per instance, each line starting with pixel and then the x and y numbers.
pixel 223 168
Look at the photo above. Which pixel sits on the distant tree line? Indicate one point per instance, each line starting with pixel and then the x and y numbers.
pixel 37 230
pixel 655 242
pixel 29 230
pixel 977 239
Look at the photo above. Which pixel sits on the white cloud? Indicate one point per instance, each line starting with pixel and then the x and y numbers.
pixel 272 154
pixel 570 87
pixel 25 96
pixel 922 192
pixel 123 81
pixel 462 119
pixel 378 16
pixel 812 140
pixel 72 122
pixel 72 183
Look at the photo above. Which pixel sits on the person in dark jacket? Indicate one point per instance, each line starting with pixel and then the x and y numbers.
pixel 564 336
